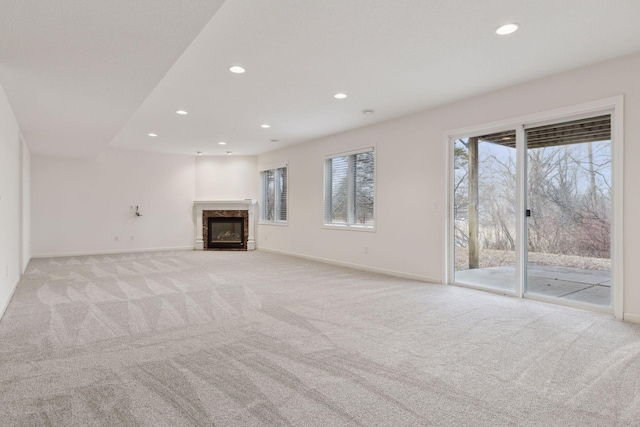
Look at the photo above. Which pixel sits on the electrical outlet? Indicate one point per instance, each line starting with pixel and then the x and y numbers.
pixel 131 207
pixel 366 249
pixel 116 238
pixel 266 236
pixel 133 237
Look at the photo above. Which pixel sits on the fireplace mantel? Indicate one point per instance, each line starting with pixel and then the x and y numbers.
pixel 210 205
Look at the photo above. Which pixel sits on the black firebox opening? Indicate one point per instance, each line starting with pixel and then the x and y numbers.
pixel 225 233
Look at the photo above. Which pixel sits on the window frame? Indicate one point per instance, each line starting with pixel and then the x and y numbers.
pixel 351 183
pixel 276 194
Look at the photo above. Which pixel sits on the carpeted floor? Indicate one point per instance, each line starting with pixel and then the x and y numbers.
pixel 258 339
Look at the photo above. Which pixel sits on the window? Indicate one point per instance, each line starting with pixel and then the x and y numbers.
pixel 273 194
pixel 349 189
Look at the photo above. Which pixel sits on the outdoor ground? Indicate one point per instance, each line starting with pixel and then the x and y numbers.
pixel 496 258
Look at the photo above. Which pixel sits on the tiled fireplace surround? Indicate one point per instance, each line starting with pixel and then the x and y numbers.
pixel 203 209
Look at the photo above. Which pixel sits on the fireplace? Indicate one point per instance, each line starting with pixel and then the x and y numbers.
pixel 225 233
pixel 243 209
pixel 225 230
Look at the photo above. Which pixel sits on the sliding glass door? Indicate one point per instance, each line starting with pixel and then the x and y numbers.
pixel 484 210
pixel 532 211
pixel 569 211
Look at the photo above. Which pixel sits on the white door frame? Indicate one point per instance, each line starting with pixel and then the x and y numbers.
pixel 614 106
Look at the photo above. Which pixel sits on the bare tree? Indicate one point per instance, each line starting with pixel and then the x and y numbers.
pixel 568 193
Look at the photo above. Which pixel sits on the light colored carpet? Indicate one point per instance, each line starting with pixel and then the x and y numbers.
pixel 258 339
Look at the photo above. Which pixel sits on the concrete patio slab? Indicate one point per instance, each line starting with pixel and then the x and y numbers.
pixel 576 284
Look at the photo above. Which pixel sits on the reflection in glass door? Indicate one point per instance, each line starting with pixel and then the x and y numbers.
pixel 569 211
pixel 484 217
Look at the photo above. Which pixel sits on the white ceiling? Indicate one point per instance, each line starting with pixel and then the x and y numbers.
pixel 76 70
pixel 82 76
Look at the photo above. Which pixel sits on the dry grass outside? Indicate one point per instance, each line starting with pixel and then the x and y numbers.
pixel 496 258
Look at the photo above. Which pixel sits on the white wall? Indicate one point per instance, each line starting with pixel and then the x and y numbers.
pixel 11 187
pixel 26 206
pixel 411 175
pixel 226 177
pixel 79 205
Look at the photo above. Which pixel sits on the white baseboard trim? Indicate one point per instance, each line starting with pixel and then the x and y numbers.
pixel 356 266
pixel 631 318
pixel 111 252
pixel 3 309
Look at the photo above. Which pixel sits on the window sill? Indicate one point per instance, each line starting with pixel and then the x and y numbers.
pixel 278 223
pixel 367 228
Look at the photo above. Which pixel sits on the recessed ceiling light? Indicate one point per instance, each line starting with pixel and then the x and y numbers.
pixel 182 112
pixel 222 143
pixel 368 112
pixel 275 140
pixel 265 126
pixel 237 69
pixel 229 153
pixel 199 153
pixel 153 134
pixel 340 95
pixel 507 29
